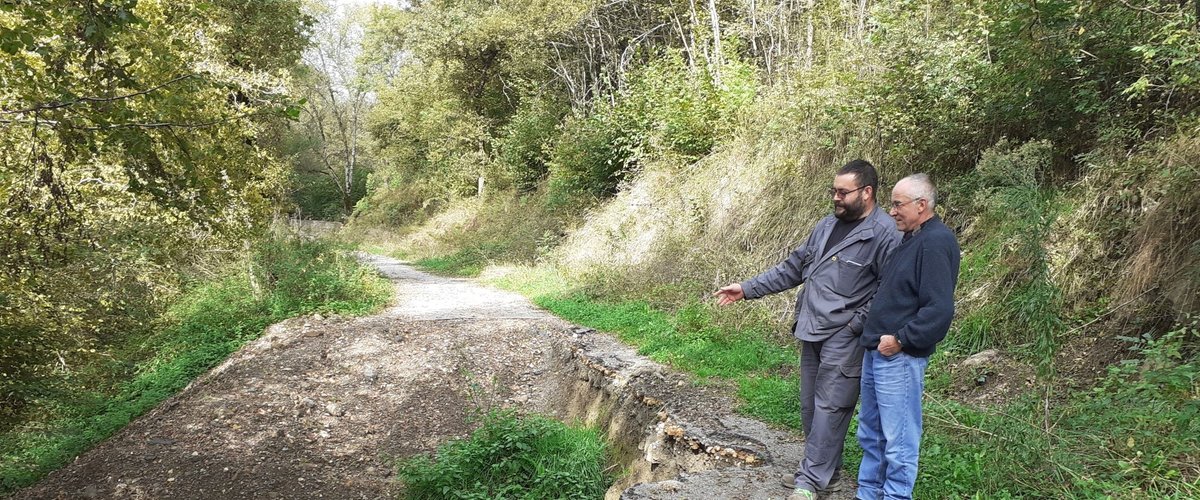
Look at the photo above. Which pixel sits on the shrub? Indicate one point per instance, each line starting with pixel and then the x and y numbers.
pixel 529 457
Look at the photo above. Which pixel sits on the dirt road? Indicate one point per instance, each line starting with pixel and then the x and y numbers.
pixel 322 407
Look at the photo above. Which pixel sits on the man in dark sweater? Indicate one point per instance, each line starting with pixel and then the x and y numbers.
pixel 910 314
pixel 839 269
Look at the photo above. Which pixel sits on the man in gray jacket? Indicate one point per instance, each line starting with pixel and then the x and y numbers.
pixel 839 267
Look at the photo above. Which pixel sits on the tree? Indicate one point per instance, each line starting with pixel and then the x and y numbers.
pixel 338 95
pixel 128 145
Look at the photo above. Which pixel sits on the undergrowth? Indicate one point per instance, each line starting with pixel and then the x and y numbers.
pixel 1132 436
pixel 290 277
pixel 511 456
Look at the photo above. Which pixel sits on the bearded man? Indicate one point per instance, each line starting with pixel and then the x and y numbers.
pixel 839 266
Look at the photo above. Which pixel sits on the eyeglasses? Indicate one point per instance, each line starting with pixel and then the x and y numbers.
pixel 896 205
pixel 841 193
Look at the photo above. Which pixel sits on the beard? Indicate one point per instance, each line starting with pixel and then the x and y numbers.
pixel 850 211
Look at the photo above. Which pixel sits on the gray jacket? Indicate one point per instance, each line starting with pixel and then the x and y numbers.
pixel 839 285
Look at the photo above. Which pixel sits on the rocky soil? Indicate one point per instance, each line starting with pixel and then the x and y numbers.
pixel 323 407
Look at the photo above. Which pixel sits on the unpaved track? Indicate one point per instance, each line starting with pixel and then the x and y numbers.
pixel 321 407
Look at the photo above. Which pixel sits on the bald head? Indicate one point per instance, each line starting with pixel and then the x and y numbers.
pixel 917 186
pixel 912 202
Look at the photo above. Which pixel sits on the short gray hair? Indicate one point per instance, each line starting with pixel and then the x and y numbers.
pixel 919 186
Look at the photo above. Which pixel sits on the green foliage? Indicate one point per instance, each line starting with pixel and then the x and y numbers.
pixel 773 399
pixel 523 148
pixel 667 111
pixel 1014 216
pixel 1133 436
pixel 587 158
pixel 199 331
pixel 518 229
pixel 315 197
pixel 466 263
pixel 129 149
pixel 511 456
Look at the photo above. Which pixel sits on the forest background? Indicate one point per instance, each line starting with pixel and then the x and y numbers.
pixel 617 161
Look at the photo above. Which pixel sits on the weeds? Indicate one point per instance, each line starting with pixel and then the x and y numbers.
pixel 528 457
pixel 1133 436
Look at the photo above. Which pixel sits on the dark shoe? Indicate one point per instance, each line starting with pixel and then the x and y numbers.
pixel 835 483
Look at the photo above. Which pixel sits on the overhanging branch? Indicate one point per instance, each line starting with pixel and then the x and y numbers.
pixel 59 105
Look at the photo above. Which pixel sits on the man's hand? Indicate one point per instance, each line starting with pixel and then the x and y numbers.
pixel 729 294
pixel 888 345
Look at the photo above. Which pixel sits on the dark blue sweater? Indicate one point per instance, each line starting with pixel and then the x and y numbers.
pixel 915 300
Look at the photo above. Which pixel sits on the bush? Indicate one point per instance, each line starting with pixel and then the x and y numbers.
pixel 524 147
pixel 529 457
pixel 1014 216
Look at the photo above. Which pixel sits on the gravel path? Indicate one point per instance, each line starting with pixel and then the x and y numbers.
pixel 321 407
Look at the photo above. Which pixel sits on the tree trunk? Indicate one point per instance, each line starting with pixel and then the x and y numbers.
pixel 715 61
pixel 808 39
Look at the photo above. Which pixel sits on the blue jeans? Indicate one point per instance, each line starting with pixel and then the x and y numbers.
pixel 889 424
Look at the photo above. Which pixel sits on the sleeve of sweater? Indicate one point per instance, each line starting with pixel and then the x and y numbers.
pixel 785 275
pixel 937 272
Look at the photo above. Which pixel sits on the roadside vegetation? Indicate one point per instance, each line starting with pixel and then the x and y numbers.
pixel 512 456
pixel 633 160
pixel 281 277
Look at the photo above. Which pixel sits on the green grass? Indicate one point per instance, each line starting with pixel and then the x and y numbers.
pixel 211 321
pixel 455 265
pixel 530 457
pixel 686 339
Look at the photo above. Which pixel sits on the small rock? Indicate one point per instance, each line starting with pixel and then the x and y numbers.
pixel 522 399
pixel 370 373
pixel 982 358
pixel 334 410
pixel 313 333
pixel 669 486
pixel 318 317
pixel 161 441
pixel 324 434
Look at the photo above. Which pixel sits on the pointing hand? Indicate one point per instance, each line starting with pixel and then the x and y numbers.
pixel 729 294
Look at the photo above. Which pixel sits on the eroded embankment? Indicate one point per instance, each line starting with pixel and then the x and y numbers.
pixel 321 407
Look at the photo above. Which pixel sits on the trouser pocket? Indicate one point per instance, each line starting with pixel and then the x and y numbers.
pixel 837 386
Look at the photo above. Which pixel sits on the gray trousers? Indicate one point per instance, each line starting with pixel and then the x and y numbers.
pixel 830 372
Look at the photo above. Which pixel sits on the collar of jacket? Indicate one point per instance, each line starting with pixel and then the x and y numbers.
pixel 864 230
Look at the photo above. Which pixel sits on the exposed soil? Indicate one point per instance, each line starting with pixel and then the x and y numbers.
pixel 990 379
pixel 322 407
